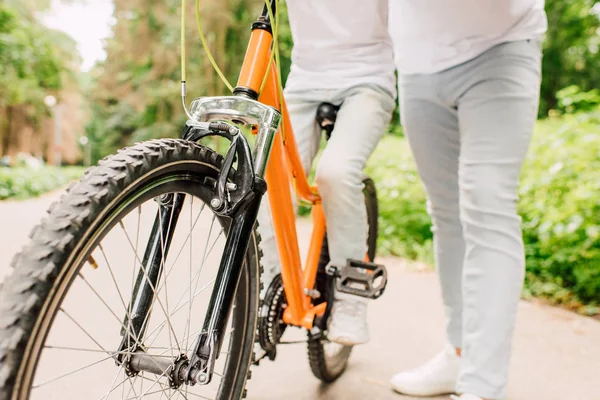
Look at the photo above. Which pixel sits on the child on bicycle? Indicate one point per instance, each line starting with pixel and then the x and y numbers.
pixel 342 55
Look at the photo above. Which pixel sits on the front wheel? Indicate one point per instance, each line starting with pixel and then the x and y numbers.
pixel 66 309
pixel 328 360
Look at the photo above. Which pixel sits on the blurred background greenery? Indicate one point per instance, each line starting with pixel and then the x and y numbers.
pixel 133 95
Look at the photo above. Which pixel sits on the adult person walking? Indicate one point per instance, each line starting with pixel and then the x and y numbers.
pixel 469 79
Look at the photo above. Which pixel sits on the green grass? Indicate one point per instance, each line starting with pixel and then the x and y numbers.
pixel 21 183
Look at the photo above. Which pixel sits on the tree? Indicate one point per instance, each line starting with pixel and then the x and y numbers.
pixel 137 87
pixel 34 62
pixel 571 49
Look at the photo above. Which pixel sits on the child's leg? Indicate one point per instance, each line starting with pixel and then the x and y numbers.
pixel 361 122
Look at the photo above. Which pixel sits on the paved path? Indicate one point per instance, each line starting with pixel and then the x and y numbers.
pixel 556 354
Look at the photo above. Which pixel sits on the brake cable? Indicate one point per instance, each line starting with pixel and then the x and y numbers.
pixel 274 53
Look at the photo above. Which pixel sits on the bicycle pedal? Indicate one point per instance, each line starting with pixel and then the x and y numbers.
pixel 360 278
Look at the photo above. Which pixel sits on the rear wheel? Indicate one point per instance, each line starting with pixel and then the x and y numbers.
pixel 328 360
pixel 62 309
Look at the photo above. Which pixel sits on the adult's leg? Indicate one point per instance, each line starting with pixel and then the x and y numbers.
pixel 431 124
pixel 497 113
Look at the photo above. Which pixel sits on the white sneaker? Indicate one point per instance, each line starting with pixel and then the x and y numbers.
pixel 466 396
pixel 436 377
pixel 348 324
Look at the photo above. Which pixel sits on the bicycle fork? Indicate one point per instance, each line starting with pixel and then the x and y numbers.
pixel 239 201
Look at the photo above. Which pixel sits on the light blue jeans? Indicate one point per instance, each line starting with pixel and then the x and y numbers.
pixel 469 128
pixel 361 122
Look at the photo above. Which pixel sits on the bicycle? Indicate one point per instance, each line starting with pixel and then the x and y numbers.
pixel 45 305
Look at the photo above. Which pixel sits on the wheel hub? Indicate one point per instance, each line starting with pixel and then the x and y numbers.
pixel 174 370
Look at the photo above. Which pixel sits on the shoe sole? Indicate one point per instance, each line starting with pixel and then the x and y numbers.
pixel 423 393
pixel 345 341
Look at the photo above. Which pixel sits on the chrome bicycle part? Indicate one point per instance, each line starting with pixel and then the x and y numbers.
pixel 240 110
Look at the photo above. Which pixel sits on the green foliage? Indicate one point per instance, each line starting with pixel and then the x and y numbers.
pixel 559 202
pixel 34 62
pixel 572 99
pixel 571 49
pixel 286 42
pixel 30 65
pixel 22 182
pixel 404 226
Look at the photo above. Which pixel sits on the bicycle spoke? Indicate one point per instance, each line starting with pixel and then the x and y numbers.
pixel 132 389
pixel 133 247
pixel 157 298
pixel 84 331
pixel 180 393
pixel 107 306
pixel 112 386
pixel 188 239
pixel 70 373
pixel 178 306
pixel 154 383
pixel 164 350
pixel 187 324
pixel 196 275
pixel 147 278
pixel 186 392
pixel 74 349
pixel 123 392
pixel 133 279
pixel 172 334
pixel 137 338
pixel 212 223
pixel 161 326
pixel 199 396
pixel 144 394
pixel 205 257
pixel 162 264
pixel 112 275
pixel 173 393
pixel 178 301
pixel 84 350
pixel 126 308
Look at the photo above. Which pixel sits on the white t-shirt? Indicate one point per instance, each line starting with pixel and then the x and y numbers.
pixel 339 44
pixel 432 35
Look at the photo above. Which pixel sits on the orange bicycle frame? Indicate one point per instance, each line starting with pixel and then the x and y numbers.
pixel 284 166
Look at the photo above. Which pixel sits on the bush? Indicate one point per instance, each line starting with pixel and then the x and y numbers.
pixel 404 226
pixel 573 99
pixel 22 182
pixel 560 205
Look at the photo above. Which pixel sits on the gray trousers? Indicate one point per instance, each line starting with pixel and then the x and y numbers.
pixel 361 122
pixel 469 128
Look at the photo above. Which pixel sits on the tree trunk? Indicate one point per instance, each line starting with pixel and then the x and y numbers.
pixel 4 140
